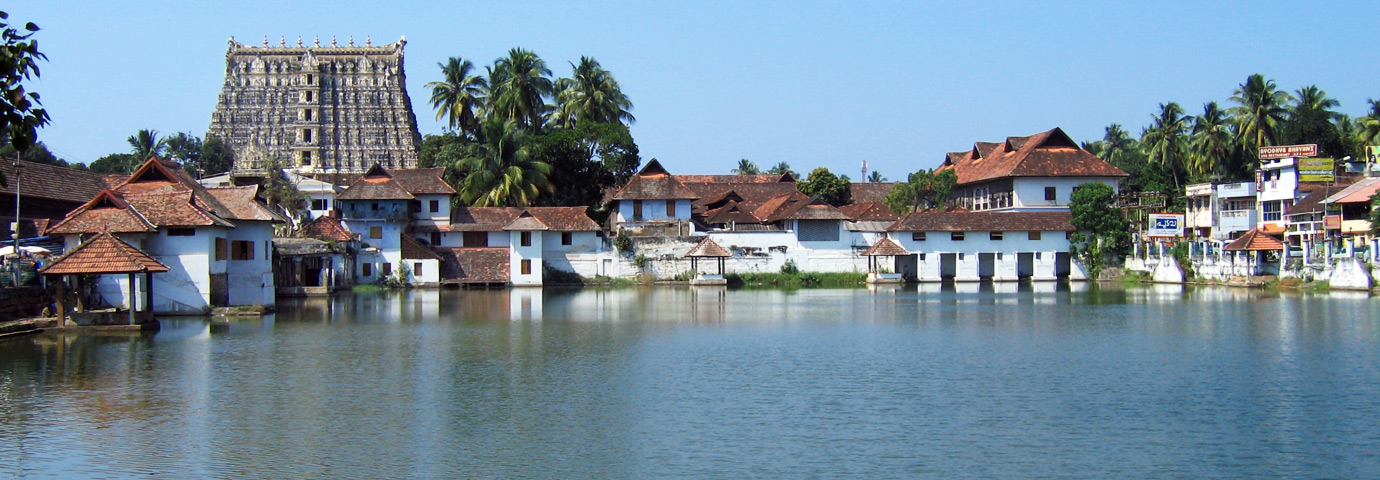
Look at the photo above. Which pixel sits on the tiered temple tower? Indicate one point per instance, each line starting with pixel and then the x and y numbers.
pixel 318 109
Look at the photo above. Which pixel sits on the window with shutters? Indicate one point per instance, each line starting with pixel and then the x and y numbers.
pixel 818 231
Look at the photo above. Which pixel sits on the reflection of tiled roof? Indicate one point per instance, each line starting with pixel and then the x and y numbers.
pixel 983 222
pixel 869 211
pixel 866 192
pixel 476 265
pixel 482 219
pixel 653 183
pixel 1254 240
pixel 105 212
pixel 326 228
pixel 411 250
pixel 1045 154
pixel 103 254
pixel 40 180
pixel 886 248
pixel 243 203
pixel 708 248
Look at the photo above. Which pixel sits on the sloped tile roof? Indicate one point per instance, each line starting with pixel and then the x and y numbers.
pixel 1313 202
pixel 162 177
pixel 870 211
pixel 1254 240
pixel 476 264
pixel 983 222
pixel 730 179
pixel 173 209
pixel 326 228
pixel 564 219
pixel 103 254
pixel 750 195
pixel 411 250
pixel 867 192
pixel 526 223
pixel 482 219
pixel 652 183
pixel 105 212
pixel 375 188
pixel 1359 192
pixel 243 203
pixel 730 212
pixel 40 180
pixel 1046 154
pixel 886 248
pixel 708 248
pixel 797 206
pixel 296 246
pixel 423 181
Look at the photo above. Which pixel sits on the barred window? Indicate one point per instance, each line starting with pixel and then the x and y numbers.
pixel 818 231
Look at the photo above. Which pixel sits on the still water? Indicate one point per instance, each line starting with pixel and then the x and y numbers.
pixel 973 381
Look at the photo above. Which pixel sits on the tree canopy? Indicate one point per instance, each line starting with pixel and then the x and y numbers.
pixel 1101 232
pixel 828 187
pixel 923 189
pixel 21 112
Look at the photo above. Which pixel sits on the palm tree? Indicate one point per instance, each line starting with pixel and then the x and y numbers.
pixel 1311 98
pixel 781 168
pixel 1165 140
pixel 518 87
pixel 1211 144
pixel 1117 144
pixel 746 167
pixel 459 96
pixel 590 94
pixel 875 177
pixel 145 145
pixel 497 170
pixel 1260 112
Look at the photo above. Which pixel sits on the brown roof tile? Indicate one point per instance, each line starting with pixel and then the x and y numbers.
pixel 1254 240
pixel 870 211
pixel 564 219
pixel 476 264
pixel 1046 154
pixel 708 248
pixel 865 192
pixel 40 180
pixel 173 209
pixel 653 183
pixel 105 212
pixel 411 250
pixel 886 248
pixel 482 219
pixel 983 222
pixel 243 203
pixel 423 181
pixel 103 254
pixel 762 178
pixel 326 228
pixel 797 206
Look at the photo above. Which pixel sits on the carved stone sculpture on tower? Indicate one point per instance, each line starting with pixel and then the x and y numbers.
pixel 297 104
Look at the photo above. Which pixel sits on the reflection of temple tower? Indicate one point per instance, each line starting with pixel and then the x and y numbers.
pixel 317 108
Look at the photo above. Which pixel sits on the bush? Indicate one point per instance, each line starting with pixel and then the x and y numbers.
pixel 790 268
pixel 622 242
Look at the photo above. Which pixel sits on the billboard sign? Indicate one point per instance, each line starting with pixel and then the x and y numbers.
pixel 1166 225
pixel 1286 151
pixel 1332 222
pixel 1316 170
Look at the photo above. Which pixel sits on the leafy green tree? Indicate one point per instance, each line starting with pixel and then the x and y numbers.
pixel 1375 214
pixel 445 150
pixel 1101 234
pixel 585 161
pixel 145 145
pixel 746 167
pixel 21 112
pixel 122 163
pixel 1166 140
pixel 924 189
pixel 518 87
pixel 282 195
pixel 459 96
pixel 826 186
pixel 498 170
pixel 37 153
pixel 781 168
pixel 216 157
pixel 1211 145
pixel 1259 114
pixel 590 94
pixel 185 149
pixel 1310 121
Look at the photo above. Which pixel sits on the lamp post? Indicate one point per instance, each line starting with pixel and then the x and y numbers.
pixel 18 177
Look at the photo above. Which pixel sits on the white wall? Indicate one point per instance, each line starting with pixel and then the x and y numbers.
pixel 442 216
pixel 329 197
pixel 1030 192
pixel 1012 244
pixel 652 211
pixel 517 253
pixel 251 281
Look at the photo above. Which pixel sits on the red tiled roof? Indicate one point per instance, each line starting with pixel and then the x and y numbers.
pixel 1046 154
pixel 1313 202
pixel 173 209
pixel 375 187
pixel 870 211
pixel 708 248
pixel 796 206
pixel 983 222
pixel 750 195
pixel 326 228
pixel 423 181
pixel 730 212
pixel 564 219
pixel 476 264
pixel 105 212
pixel 526 222
pixel 411 250
pixel 482 219
pixel 1254 240
pixel 652 183
pixel 103 254
pixel 1359 192
pixel 161 177
pixel 867 192
pixel 886 248
pixel 40 180
pixel 244 204
pixel 761 178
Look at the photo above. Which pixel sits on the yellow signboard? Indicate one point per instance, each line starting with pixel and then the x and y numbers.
pixel 1317 170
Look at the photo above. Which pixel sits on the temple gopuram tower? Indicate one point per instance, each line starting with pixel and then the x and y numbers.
pixel 318 109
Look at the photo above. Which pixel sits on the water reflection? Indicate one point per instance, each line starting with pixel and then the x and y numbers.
pixel 970 379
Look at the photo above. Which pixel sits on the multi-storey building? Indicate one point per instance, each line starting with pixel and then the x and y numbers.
pixel 336 108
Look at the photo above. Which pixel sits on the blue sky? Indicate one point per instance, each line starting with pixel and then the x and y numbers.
pixel 810 83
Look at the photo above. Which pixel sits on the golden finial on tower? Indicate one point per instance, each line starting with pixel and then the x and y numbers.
pixel 317 40
pixel 368 41
pixel 265 41
pixel 299 40
pixel 333 40
pixel 282 41
pixel 352 40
